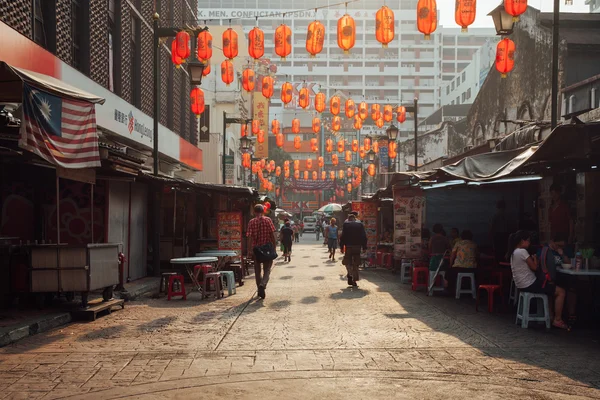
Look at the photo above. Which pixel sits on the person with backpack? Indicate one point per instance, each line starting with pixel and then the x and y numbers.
pixel 529 276
pixel 287 238
pixel 352 241
pixel 261 247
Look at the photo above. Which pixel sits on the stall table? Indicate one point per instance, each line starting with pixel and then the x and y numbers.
pixel 581 272
pixel 224 256
pixel 189 262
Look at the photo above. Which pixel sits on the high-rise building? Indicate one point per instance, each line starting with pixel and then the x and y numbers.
pixel 594 5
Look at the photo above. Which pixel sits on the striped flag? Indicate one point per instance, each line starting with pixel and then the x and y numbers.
pixel 61 131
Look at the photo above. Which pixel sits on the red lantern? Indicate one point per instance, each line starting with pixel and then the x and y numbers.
pixel 334 105
pixel 379 123
pixel 314 144
pixel 296 126
pixel 388 113
pixel 329 145
pixel 256 43
pixel 197 101
pixel 357 172
pixel 283 41
pixel 361 152
pixel 349 187
pixel 248 80
pixel 287 91
pixel 393 146
pixel 275 127
pixel 334 159
pixel 267 86
pixel 336 123
pixel 401 114
pixel 505 56
pixel 297 174
pixel 309 163
pixel 427 17
pixel 255 126
pixel 320 102
pixel 206 69
pixel 246 160
pixel 314 175
pixel 464 13
pixel 227 72
pixel 316 125
pixel 321 162
pixel 348 156
pixel 350 108
pixel 260 137
pixel 183 44
pixel 349 172
pixel 230 44
pixel 286 164
pixel 244 131
pixel 305 175
pixel 205 43
pixel 346 33
pixel 296 165
pixel 278 171
pixel 297 142
pixel 174 57
pixel 341 146
pixel 355 145
pixel 375 112
pixel 515 8
pixel 263 162
pixel 304 98
pixel 384 26
pixel 315 37
pixel 332 175
pixel 363 110
pixel 371 170
pixel 323 175
pixel 358 122
pixel 286 173
pixel 376 146
pixel 279 140
pixel 367 144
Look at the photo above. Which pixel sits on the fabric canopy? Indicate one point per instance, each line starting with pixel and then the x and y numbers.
pixel 11 85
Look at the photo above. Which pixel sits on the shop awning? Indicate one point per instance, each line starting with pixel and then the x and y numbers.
pixel 12 79
pixel 230 189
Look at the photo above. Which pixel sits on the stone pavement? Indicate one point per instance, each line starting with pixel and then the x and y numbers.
pixel 313 337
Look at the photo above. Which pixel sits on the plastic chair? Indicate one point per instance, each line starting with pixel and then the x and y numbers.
pixel 490 289
pixel 440 288
pixel 542 310
pixel 164 281
pixel 405 267
pixel 459 280
pixel 420 272
pixel 202 269
pixel 229 277
pixel 176 287
pixel 514 293
pixel 213 285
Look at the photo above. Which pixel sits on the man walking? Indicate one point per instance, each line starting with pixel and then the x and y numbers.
pixel 354 239
pixel 261 231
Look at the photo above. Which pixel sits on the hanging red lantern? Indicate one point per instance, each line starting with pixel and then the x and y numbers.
pixel 515 8
pixel 305 175
pixel 263 162
pixel 296 164
pixel 316 125
pixel 244 130
pixel 287 91
pixel 375 112
pixel 230 44
pixel 205 46
pixel 314 175
pixel 246 160
pixel 314 144
pixel 323 175
pixel 329 145
pixel 197 101
pixel 376 146
pixel 275 126
pixel 260 137
pixel 358 122
pixel 357 172
pixel 427 17
pixel 297 142
pixel 183 44
pixel 393 146
pixel 349 187
pixel 279 140
pixel 296 126
pixel 367 144
pixel 332 175
pixel 283 41
pixel 175 59
pixel 297 174
pixel 349 172
pixel 348 156
pixel 309 163
pixel 315 37
pixel 388 113
pixel 286 165
pixel 379 123
pixel 278 171
pixel 321 162
pixel 336 123
pixel 350 108
pixel 384 26
pixel 363 110
pixel 304 98
pixel 401 114
pixel 256 43
pixel 464 13
pixel 267 86
pixel 346 33
pixel 361 152
pixel 334 159
pixel 341 146
pixel 286 173
pixel 248 80
pixel 320 100
pixel 355 145
pixel 505 56
pixel 255 126
pixel 227 72
pixel 371 170
pixel 334 105
pixel 206 70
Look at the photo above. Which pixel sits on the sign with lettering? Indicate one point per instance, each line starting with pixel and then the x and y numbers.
pixel 133 125
pixel 229 231
pixel 261 113
pixel 229 170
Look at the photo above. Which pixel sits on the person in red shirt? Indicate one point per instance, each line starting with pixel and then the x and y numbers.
pixel 260 232
pixel 559 215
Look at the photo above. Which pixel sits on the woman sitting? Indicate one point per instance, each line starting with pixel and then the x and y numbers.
pixel 524 269
pixel 463 258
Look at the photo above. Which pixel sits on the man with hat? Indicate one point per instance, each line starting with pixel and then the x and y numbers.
pixel 353 239
pixel 261 231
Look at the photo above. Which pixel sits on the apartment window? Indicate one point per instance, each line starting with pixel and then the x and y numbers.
pixel 457 99
pixel 453 85
pixel 464 96
pixel 44 24
pixel 468 93
pixel 447 89
pixel 80 32
pixel 136 33
pixel 464 76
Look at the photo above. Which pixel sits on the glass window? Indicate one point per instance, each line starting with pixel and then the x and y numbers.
pixel 77 33
pixel 39 30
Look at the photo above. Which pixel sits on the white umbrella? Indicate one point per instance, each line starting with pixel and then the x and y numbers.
pixel 331 208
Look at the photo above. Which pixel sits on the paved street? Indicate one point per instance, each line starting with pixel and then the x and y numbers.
pixel 313 337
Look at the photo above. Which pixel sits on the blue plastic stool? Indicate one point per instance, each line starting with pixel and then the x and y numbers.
pixel 229 277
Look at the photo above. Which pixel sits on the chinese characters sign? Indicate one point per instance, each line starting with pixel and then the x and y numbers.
pixel 229 231
pixel 261 113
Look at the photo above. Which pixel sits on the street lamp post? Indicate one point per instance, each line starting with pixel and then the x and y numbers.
pixel 371 155
pixel 246 148
pixel 226 121
pixel 392 134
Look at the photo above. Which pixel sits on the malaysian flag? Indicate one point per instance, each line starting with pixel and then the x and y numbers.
pixel 61 131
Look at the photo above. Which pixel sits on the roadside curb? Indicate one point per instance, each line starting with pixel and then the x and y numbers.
pixel 38 325
pixel 140 290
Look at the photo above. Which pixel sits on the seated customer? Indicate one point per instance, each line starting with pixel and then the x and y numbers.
pixel 524 268
pixel 454 237
pixel 438 246
pixel 464 253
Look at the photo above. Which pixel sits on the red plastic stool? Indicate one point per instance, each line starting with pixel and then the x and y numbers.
pixel 491 289
pixel 204 269
pixel 173 279
pixel 379 259
pixel 420 272
pixel 389 261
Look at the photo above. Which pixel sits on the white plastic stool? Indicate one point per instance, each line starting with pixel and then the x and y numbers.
pixel 514 293
pixel 542 314
pixel 440 288
pixel 229 278
pixel 405 271
pixel 472 290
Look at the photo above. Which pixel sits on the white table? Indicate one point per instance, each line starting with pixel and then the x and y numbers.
pixel 188 262
pixel 581 272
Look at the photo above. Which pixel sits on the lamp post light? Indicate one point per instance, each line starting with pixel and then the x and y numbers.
pixel 246 148
pixel 392 134
pixel 503 21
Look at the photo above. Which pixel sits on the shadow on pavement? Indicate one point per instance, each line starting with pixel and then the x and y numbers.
pixel 279 305
pixel 349 294
pixel 310 300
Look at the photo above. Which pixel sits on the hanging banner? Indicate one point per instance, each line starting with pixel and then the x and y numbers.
pixel 261 113
pixel 308 184
pixel 409 208
pixel 229 231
